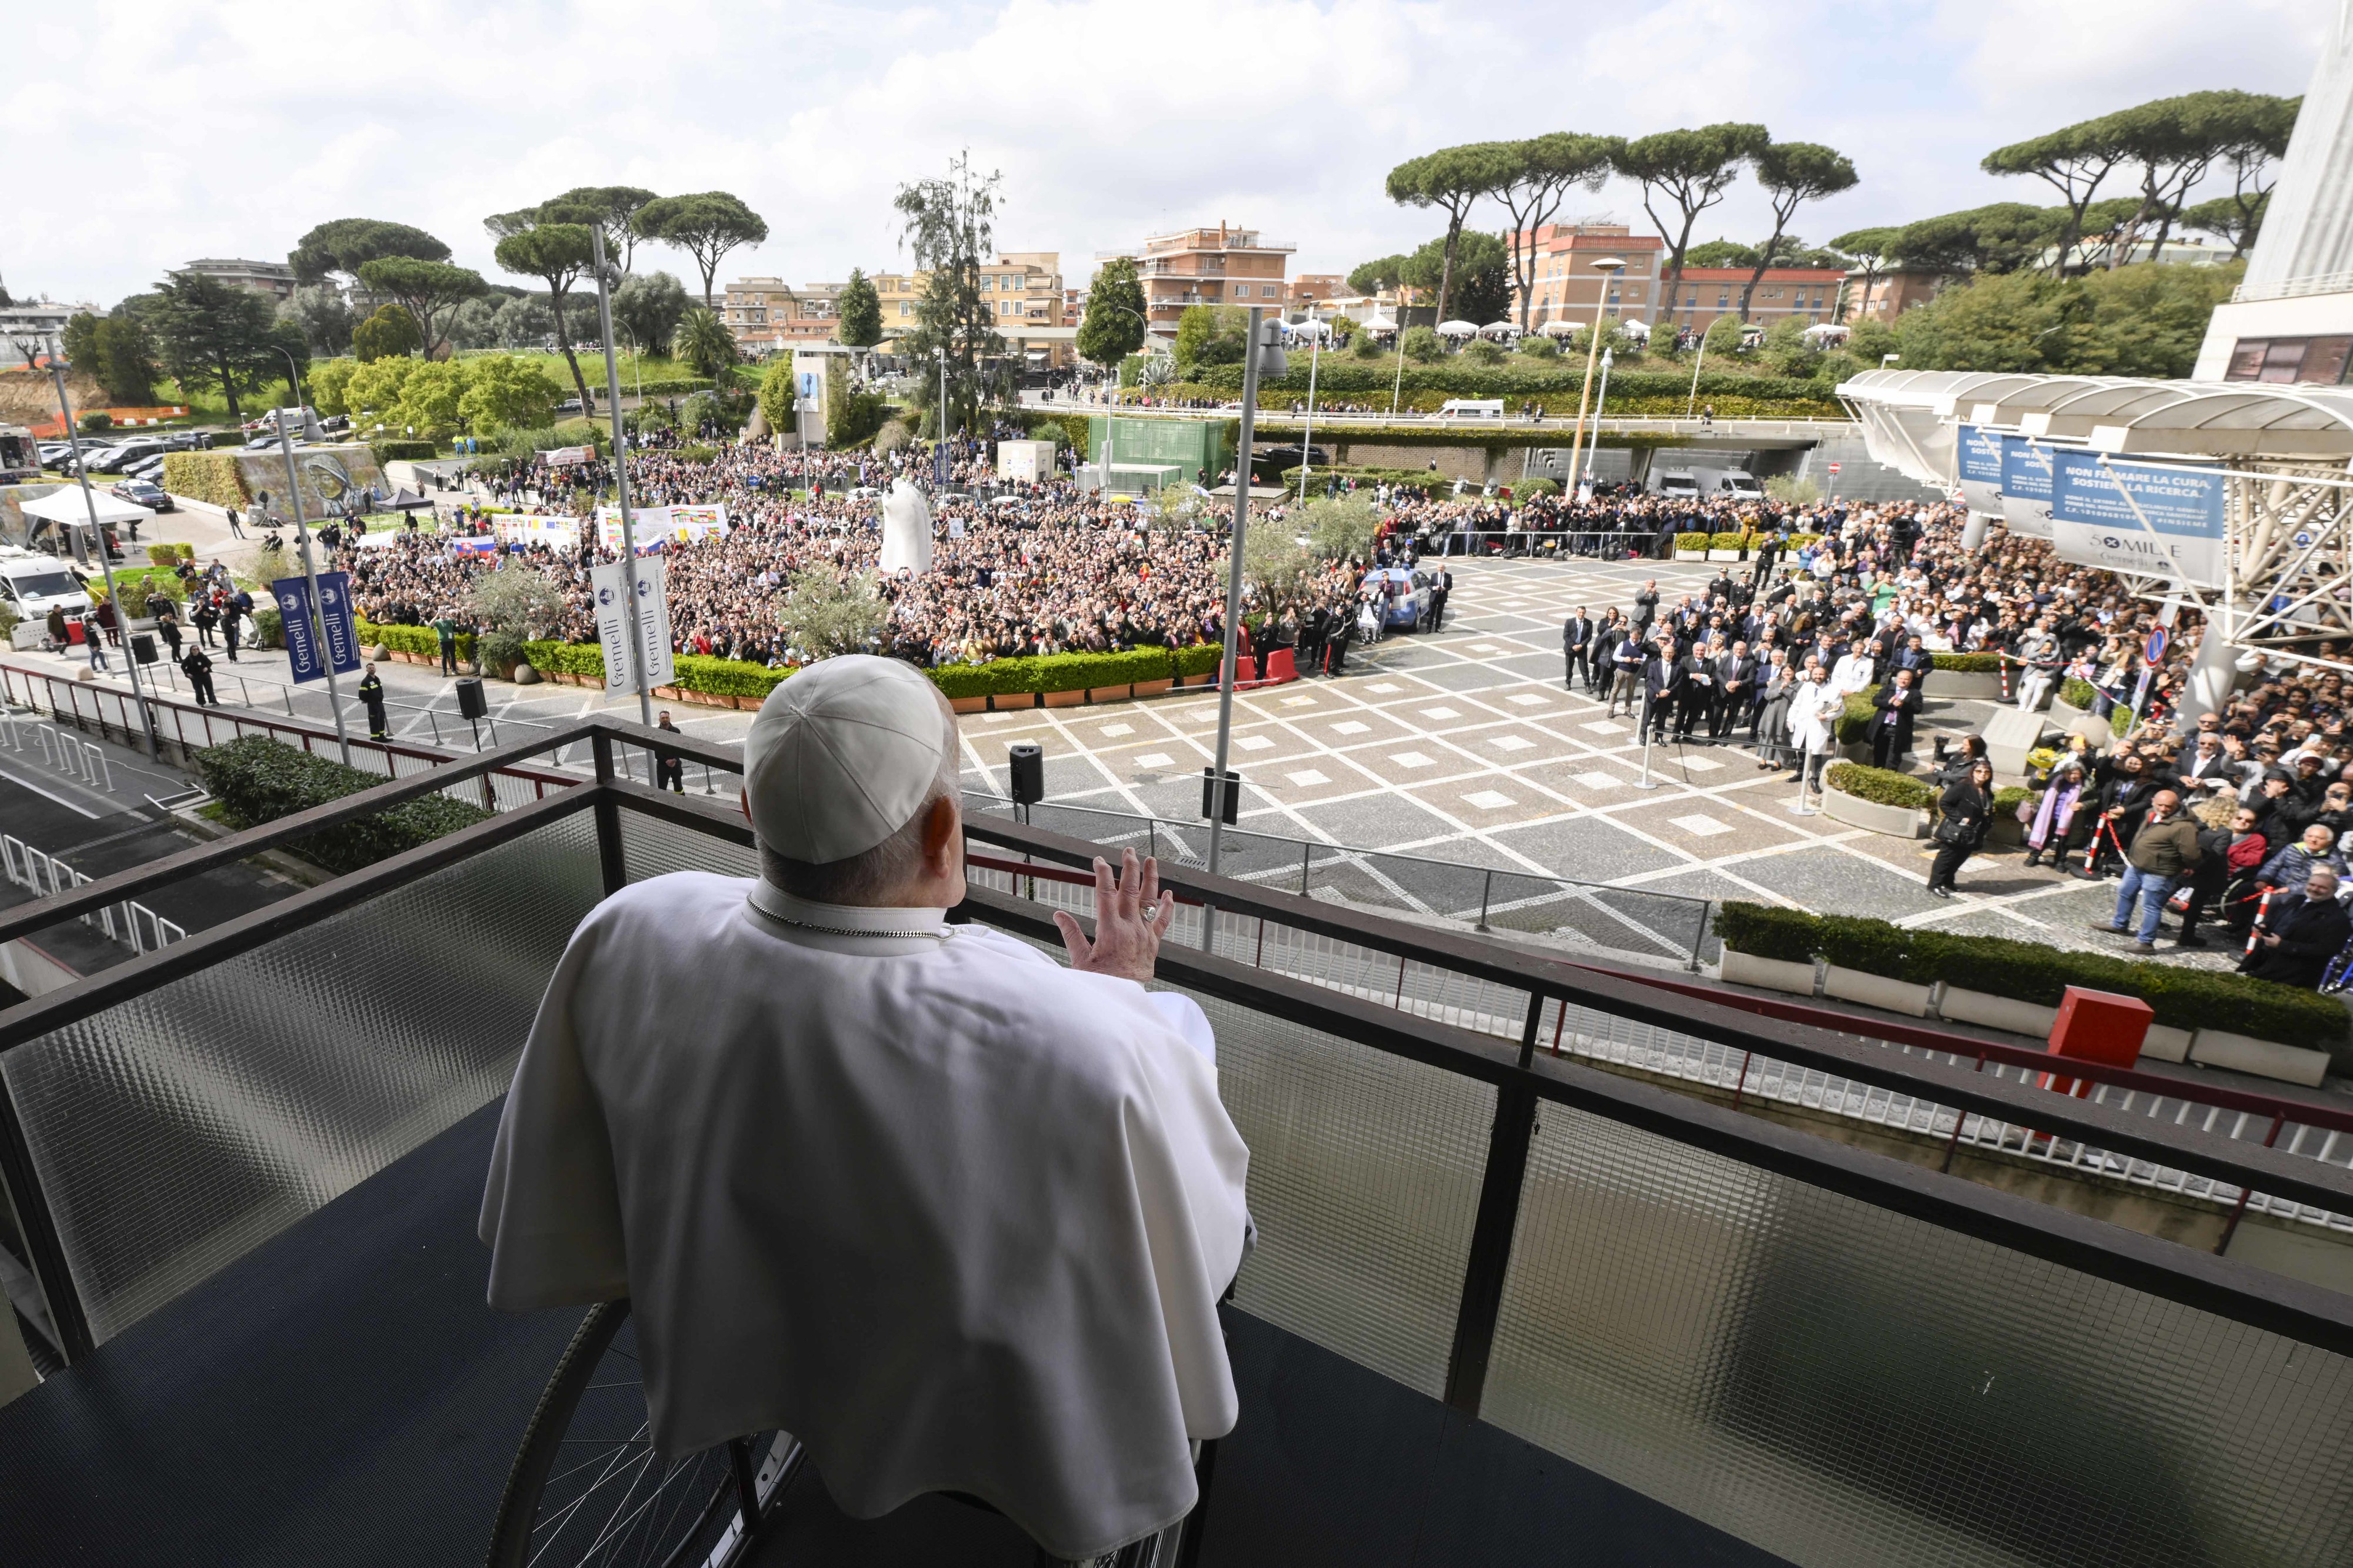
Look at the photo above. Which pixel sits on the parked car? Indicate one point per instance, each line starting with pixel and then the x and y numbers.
pixel 146 493
pixel 55 452
pixel 569 406
pixel 118 457
pixel 150 468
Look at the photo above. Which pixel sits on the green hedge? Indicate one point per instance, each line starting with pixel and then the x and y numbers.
pixel 1693 541
pixel 423 641
pixel 2077 693
pixel 668 386
pixel 1981 663
pixel 1727 542
pixel 213 478
pixel 1857 717
pixel 2006 802
pixel 403 451
pixel 1073 671
pixel 2030 971
pixel 260 780
pixel 1879 785
pixel 1457 378
pixel 1434 486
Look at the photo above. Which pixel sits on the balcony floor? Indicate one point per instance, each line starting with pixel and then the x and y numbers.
pixel 343 1395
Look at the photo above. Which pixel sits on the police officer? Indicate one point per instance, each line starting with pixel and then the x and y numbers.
pixel 372 693
pixel 670 769
pixel 198 668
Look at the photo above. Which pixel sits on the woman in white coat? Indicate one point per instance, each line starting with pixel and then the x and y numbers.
pixel 1814 714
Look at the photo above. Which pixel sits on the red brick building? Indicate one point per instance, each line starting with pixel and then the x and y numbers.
pixel 1566 287
pixel 1810 293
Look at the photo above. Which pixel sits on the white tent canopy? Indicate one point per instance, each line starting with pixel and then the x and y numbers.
pixel 1310 329
pixel 68 507
pixel 1457 329
pixel 1561 329
pixel 1376 322
pixel 1501 329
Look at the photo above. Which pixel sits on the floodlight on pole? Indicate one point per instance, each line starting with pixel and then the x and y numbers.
pixel 1614 264
pixel 1255 356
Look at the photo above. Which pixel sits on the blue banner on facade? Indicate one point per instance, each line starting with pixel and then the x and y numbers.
pixel 2026 487
pixel 1980 454
pixel 335 616
pixel 293 596
pixel 2161 522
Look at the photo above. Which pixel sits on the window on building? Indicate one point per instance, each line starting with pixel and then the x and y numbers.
pixel 1724 300
pixel 2305 359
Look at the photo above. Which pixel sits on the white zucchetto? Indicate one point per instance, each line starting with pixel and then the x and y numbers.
pixel 841 757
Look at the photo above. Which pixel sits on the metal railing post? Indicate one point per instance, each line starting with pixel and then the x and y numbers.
pixel 67 1321
pixel 1305 850
pixel 1486 895
pixel 1490 1245
pixel 609 857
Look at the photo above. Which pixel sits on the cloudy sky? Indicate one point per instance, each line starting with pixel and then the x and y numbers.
pixel 205 129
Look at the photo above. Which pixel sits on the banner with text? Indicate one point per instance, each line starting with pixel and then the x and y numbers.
pixel 532 528
pixel 336 619
pixel 653 527
pixel 1980 470
pixel 2025 486
pixel 2154 523
pixel 611 590
pixel 302 637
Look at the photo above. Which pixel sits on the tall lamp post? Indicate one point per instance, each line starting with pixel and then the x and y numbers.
pixel 1252 351
pixel 32 353
pixel 1147 325
pixel 1307 441
pixel 303 546
pixel 1616 267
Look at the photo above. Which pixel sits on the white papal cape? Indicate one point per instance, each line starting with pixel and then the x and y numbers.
pixel 953 1214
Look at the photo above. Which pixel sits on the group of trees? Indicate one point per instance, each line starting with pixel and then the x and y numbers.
pixel 435 305
pixel 1681 174
pixel 482 394
pixel 207 335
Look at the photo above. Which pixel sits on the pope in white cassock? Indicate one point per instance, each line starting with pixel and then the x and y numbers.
pixel 954 1215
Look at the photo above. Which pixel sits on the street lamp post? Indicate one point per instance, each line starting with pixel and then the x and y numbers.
pixel 98 537
pixel 310 569
pixel 1307 442
pixel 1605 264
pixel 1227 671
pixel 939 449
pixel 1698 360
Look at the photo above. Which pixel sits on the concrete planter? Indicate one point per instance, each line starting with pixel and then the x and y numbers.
pixel 1965 685
pixel 2264 1059
pixel 1961 1006
pixel 2064 714
pixel 1110 693
pixel 2008 833
pixel 1007 701
pixel 1771 973
pixel 1691 554
pixel 1895 821
pixel 2165 1044
pixel 970 704
pixel 1875 991
pixel 1727 554
pixel 1066 699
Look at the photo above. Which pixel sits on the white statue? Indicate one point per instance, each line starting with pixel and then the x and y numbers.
pixel 906 529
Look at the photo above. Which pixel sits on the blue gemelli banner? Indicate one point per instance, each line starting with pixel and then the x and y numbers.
pixel 293 596
pixel 335 616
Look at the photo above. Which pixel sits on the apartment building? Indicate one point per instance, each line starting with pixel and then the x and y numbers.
pixel 1706 293
pixel 1885 296
pixel 1022 288
pixel 767 314
pixel 1316 290
pixel 1566 287
pixel 274 278
pixel 1222 266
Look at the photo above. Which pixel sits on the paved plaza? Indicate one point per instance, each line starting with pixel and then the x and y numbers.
pixel 1461 747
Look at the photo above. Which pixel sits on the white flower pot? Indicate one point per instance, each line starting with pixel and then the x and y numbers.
pixel 1691 554
pixel 2165 1044
pixel 1875 991
pixel 1714 554
pixel 1771 973
pixel 1962 1006
pixel 2264 1059
pixel 1896 821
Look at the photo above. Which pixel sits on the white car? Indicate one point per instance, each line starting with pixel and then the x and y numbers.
pixel 33 583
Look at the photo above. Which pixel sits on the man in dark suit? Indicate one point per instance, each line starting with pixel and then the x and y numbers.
pixel 1698 693
pixel 1646 607
pixel 1915 656
pixel 1663 686
pixel 1736 689
pixel 1605 635
pixel 1575 635
pixel 2303 931
pixel 1898 705
pixel 1441 584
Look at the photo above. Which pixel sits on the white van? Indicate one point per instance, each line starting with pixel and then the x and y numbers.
pixel 1675 482
pixel 32 584
pixel 1472 408
pixel 1738 483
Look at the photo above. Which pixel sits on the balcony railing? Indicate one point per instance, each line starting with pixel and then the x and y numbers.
pixel 1833 1355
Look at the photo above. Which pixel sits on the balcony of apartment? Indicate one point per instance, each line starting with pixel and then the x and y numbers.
pixel 1519 1296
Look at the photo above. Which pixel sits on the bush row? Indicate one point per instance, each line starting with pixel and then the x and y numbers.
pixel 1979 663
pixel 260 780
pixel 2030 971
pixel 1274 407
pixel 403 451
pixel 213 478
pixel 1879 785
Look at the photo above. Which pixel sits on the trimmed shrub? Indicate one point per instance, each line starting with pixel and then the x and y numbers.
pixel 2030 971
pixel 2006 802
pixel 213 478
pixel 720 676
pixel 91 424
pixel 260 780
pixel 1693 541
pixel 1981 663
pixel 403 451
pixel 1879 785
pixel 423 641
pixel 1727 542
pixel 170 555
pixel 2077 693
pixel 1857 717
pixel 1767 931
pixel 1201 658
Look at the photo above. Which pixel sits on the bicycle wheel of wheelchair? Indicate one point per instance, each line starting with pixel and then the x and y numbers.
pixel 588 1492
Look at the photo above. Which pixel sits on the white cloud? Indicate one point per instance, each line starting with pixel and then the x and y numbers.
pixel 212 128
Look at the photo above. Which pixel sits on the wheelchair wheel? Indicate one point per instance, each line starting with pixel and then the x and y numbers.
pixel 588 1492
